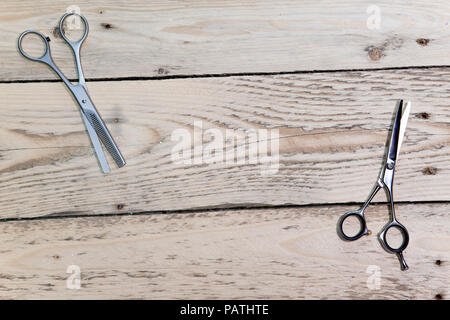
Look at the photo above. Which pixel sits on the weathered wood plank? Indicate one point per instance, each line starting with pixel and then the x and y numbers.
pixel 272 254
pixel 139 38
pixel 332 128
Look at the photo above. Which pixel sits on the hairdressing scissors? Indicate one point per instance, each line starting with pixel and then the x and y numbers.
pixel 385 181
pixel 95 126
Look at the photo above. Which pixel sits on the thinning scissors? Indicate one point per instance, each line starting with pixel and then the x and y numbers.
pixel 95 126
pixel 385 181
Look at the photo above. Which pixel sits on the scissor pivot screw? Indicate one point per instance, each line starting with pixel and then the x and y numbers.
pixel 390 166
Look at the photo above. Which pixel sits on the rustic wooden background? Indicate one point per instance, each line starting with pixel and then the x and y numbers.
pixel 155 229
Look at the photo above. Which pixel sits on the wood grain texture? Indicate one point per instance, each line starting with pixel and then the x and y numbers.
pixel 241 254
pixel 333 129
pixel 139 38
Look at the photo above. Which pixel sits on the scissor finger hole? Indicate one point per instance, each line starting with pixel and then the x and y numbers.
pixel 395 238
pixel 352 226
pixel 73 28
pixel 33 45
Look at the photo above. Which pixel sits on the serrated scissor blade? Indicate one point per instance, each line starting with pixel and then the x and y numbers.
pixel 96 144
pixel 91 115
pixel 104 136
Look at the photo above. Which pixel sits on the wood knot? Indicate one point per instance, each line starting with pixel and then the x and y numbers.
pixel 290 227
pixel 116 120
pixel 107 25
pixel 429 171
pixel 423 42
pixel 120 206
pixel 56 32
pixel 162 71
pixel 375 53
pixel 438 262
pixel 423 115
pixel 438 296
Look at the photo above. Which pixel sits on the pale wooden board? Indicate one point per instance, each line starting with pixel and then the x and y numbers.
pixel 160 38
pixel 333 130
pixel 244 254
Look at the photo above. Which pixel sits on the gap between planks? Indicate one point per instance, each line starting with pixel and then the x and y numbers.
pixel 213 209
pixel 227 75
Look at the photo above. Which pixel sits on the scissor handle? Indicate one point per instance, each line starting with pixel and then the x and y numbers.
pixel 75 45
pixel 362 223
pixel 399 251
pixel 403 232
pixel 62 32
pixel 45 58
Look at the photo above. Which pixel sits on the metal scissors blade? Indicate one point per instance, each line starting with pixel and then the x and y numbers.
pixel 102 131
pixel 403 124
pixel 398 130
pixel 96 144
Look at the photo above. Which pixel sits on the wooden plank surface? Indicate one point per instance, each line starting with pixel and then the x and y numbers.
pixel 332 126
pixel 139 38
pixel 271 254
